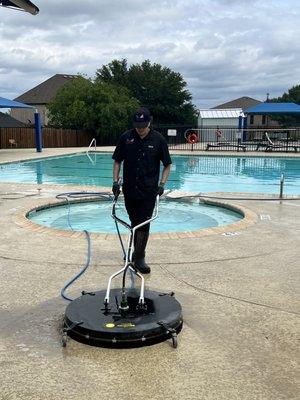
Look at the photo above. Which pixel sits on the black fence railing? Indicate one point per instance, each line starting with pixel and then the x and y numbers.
pixel 249 166
pixel 231 138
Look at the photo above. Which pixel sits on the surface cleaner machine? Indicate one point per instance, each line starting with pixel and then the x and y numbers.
pixel 127 316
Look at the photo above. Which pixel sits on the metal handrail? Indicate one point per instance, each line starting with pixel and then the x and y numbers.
pixel 89 148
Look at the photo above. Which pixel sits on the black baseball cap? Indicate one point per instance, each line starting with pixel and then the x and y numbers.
pixel 141 118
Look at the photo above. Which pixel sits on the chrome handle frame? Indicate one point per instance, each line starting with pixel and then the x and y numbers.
pixel 129 252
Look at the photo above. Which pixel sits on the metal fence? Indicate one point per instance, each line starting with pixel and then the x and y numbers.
pixel 178 138
pixel 231 138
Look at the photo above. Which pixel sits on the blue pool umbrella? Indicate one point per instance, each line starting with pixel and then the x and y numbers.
pixel 6 103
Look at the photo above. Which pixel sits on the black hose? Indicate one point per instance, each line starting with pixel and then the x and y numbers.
pixel 72 280
pixel 120 238
pixel 81 195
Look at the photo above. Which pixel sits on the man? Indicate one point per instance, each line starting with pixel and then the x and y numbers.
pixel 142 149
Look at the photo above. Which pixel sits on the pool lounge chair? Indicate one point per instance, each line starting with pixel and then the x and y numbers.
pixel 12 142
pixel 219 145
pixel 270 145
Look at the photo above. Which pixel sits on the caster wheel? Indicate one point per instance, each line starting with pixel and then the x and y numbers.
pixel 64 340
pixel 174 340
pixel 141 307
pixel 105 304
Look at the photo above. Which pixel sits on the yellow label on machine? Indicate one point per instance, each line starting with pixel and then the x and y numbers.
pixel 110 325
pixel 125 325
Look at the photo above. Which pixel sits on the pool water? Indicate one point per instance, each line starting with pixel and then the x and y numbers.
pixel 95 216
pixel 189 172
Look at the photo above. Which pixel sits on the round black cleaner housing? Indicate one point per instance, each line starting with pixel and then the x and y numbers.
pixel 89 322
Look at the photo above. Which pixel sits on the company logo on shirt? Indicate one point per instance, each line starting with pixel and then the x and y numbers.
pixel 129 141
pixel 150 146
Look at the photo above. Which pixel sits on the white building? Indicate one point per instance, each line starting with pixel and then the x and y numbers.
pixel 223 118
pixel 227 120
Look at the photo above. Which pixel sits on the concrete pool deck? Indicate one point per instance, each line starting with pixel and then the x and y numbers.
pixel 239 290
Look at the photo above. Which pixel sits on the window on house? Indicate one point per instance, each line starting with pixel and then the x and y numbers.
pixel 251 119
pixel 263 120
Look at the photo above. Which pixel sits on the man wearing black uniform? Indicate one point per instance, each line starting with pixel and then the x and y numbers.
pixel 142 149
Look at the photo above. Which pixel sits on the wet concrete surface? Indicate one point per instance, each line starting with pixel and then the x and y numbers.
pixel 240 298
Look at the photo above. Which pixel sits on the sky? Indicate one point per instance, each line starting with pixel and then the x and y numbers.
pixel 224 49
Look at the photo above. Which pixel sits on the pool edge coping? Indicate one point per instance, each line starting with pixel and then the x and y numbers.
pixel 248 218
pixel 66 151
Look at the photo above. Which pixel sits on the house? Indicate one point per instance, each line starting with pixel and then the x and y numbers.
pixel 6 121
pixel 242 102
pixel 247 102
pixel 223 118
pixel 39 97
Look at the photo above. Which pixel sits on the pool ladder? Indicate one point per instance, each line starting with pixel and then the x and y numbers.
pixel 95 149
pixel 91 144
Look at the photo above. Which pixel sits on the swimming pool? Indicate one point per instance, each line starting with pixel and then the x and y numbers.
pixel 189 172
pixel 95 216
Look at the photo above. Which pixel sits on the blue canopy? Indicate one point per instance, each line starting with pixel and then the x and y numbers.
pixel 6 103
pixel 274 108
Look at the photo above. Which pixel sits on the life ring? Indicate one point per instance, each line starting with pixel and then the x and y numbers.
pixel 192 138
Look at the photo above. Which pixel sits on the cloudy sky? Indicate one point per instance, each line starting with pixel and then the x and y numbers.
pixel 224 49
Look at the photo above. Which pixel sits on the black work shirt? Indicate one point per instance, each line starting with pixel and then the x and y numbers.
pixel 142 159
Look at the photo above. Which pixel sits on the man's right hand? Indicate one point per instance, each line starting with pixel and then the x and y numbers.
pixel 160 189
pixel 116 189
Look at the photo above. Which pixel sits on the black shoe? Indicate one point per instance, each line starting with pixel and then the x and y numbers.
pixel 141 266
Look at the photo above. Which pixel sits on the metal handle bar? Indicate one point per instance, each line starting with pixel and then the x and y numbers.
pixel 124 223
pixel 128 260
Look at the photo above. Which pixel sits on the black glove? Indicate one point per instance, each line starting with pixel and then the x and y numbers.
pixel 116 189
pixel 160 189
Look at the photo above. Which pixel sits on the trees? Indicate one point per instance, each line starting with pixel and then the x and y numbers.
pixel 100 107
pixel 116 72
pixel 292 96
pixel 68 108
pixel 159 88
pixel 105 105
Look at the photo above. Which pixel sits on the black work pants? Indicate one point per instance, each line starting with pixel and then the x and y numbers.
pixel 139 211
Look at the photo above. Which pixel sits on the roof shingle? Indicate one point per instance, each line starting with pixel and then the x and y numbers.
pixel 6 121
pixel 242 102
pixel 45 91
